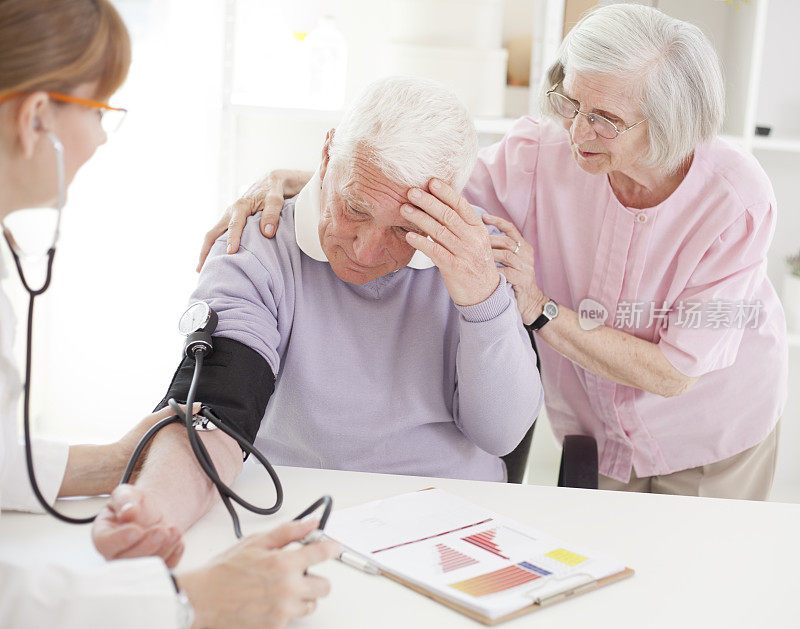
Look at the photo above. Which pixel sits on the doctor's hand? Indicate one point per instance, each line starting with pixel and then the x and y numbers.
pixel 132 525
pixel 258 582
pixel 460 244
pixel 267 195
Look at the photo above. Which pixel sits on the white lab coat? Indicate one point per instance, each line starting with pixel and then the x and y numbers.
pixel 121 594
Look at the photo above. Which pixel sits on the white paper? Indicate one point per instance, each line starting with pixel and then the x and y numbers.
pixel 483 561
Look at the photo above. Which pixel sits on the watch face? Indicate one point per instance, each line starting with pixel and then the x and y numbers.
pixel 194 318
pixel 550 309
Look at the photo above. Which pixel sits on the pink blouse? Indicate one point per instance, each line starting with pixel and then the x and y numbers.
pixel 689 275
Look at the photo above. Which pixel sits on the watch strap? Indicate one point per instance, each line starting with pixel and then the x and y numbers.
pixel 540 321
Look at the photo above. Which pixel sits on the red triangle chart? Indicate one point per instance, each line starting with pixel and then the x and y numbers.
pixel 450 559
pixel 485 540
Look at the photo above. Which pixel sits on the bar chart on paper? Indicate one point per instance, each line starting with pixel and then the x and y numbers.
pixel 486 540
pixel 502 541
pixel 497 581
pixel 450 559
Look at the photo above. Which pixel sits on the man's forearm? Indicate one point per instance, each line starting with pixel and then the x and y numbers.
pixel 236 381
pixel 499 391
pixel 172 475
pixel 500 395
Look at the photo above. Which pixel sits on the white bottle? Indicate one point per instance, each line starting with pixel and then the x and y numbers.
pixel 327 77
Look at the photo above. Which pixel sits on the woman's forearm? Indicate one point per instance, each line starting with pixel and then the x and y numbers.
pixel 614 355
pixel 92 470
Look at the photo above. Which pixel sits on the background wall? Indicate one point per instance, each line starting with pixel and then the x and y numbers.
pixel 138 211
pixel 106 336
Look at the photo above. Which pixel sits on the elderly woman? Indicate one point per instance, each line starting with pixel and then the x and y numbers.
pixel 636 241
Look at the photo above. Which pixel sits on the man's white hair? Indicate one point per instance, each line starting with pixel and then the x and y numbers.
pixel 412 129
pixel 682 93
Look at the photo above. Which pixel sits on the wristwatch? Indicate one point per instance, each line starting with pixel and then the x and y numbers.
pixel 184 610
pixel 549 312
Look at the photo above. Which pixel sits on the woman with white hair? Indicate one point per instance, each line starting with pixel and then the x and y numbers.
pixel 636 240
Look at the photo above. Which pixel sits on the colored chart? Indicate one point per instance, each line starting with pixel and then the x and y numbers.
pixel 497 581
pixel 450 559
pixel 537 569
pixel 565 556
pixel 486 541
pixel 505 542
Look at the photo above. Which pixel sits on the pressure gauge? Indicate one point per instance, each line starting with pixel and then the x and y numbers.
pixel 195 318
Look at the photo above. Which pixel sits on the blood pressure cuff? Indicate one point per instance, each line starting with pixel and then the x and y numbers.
pixel 235 382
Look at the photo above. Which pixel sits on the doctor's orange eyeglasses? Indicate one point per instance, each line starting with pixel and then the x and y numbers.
pixel 110 117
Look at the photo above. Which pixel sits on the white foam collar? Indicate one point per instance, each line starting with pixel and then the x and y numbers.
pixel 306 225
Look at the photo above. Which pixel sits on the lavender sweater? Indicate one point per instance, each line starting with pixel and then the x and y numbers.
pixel 389 376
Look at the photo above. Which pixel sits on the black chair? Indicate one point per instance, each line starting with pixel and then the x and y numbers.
pixel 517 460
pixel 578 462
pixel 578 456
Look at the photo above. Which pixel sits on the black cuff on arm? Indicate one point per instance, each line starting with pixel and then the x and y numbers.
pixel 236 382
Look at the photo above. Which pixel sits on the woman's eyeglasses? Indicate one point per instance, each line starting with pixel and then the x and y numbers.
pixel 568 108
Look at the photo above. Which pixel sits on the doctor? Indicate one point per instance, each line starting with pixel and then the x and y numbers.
pixel 60 60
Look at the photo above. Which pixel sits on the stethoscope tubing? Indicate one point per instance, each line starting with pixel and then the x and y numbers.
pixel 200 451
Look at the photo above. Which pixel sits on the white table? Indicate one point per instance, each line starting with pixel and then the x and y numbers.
pixel 699 562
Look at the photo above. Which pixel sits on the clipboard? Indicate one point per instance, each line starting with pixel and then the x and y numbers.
pixel 576 582
pixel 533 607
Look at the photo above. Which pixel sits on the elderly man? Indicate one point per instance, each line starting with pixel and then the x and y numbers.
pixel 376 328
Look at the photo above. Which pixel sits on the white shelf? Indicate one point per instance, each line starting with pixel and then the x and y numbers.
pixel 491 126
pixel 767 143
pixel 736 139
pixel 486 126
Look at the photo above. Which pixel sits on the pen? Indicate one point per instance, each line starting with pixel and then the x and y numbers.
pixel 345 557
pixel 358 563
pixel 314 536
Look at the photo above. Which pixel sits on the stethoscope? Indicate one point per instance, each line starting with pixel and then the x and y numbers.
pixel 198 323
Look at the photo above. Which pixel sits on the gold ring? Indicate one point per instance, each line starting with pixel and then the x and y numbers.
pixel 517 249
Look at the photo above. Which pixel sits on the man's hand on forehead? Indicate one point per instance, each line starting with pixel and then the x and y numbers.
pixel 459 242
